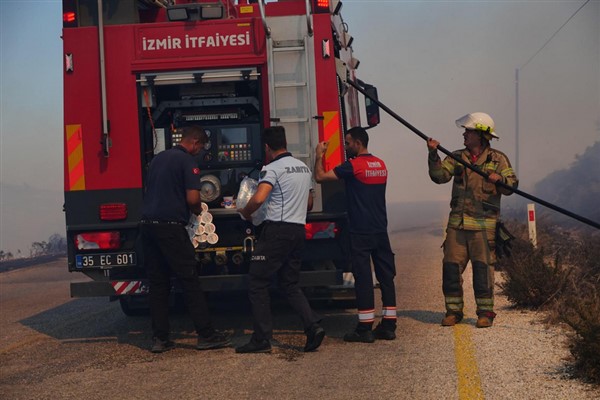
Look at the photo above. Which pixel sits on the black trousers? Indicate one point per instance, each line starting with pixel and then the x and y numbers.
pixel 376 247
pixel 278 252
pixel 168 251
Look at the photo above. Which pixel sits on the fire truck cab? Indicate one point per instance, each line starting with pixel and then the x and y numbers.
pixel 135 72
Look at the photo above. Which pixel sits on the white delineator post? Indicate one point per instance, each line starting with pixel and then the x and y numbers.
pixel 531 224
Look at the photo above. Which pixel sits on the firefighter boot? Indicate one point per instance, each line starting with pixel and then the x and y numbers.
pixel 485 319
pixel 451 319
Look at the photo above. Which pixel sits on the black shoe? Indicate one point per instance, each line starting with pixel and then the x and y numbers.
pixel 383 333
pixel 360 336
pixel 314 337
pixel 215 341
pixel 160 346
pixel 255 346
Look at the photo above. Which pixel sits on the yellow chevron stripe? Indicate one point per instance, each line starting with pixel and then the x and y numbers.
pixel 75 157
pixel 75 163
pixel 332 132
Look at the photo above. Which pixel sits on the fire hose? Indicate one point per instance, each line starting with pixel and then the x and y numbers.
pixel 472 167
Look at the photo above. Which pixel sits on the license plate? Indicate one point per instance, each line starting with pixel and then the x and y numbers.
pixel 105 260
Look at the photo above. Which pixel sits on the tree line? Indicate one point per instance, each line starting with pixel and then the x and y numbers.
pixel 55 244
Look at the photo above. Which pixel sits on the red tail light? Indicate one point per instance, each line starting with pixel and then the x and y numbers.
pixel 321 230
pixel 98 240
pixel 113 211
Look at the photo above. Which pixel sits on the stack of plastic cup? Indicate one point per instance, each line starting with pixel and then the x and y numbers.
pixel 204 231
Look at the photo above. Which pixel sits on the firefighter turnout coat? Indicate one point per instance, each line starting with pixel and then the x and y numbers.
pixel 475 203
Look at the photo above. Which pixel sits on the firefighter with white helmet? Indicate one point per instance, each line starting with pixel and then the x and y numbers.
pixel 479 121
pixel 475 209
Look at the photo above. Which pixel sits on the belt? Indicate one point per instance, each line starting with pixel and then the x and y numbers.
pixel 268 222
pixel 154 221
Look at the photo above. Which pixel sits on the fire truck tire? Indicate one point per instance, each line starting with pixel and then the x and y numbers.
pixel 133 307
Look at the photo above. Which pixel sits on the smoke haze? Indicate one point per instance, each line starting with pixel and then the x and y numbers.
pixel 432 61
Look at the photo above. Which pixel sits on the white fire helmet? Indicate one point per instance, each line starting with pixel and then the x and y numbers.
pixel 478 121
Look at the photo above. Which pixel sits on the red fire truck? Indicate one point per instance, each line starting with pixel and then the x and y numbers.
pixel 137 71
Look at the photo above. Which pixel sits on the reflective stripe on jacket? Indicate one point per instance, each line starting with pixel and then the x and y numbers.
pixel 475 203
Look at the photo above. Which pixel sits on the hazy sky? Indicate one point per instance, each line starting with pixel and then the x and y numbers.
pixel 432 61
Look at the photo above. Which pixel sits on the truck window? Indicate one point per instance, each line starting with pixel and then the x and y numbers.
pixel 115 12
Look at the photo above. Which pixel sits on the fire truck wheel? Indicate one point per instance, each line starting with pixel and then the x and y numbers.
pixel 134 306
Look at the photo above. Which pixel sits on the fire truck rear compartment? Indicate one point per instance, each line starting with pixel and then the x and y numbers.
pixel 226 103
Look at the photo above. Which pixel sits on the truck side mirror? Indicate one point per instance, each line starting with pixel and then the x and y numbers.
pixel 371 108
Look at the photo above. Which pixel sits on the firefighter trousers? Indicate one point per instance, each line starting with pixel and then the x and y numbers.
pixel 278 253
pixel 460 247
pixel 168 251
pixel 376 247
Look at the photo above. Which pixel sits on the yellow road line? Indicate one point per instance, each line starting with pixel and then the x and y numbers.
pixel 469 383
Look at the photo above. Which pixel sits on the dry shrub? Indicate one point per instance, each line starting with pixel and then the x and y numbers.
pixel 529 280
pixel 580 309
pixel 584 253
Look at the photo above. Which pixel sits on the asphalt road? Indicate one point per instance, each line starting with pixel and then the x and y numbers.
pixel 55 347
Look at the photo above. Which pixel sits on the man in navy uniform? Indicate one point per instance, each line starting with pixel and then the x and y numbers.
pixel 172 191
pixel 365 177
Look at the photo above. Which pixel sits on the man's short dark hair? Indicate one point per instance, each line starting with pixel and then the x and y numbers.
pixel 194 132
pixel 360 134
pixel 275 137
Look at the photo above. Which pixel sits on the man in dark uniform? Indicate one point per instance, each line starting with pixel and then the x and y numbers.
pixel 285 185
pixel 172 191
pixel 365 177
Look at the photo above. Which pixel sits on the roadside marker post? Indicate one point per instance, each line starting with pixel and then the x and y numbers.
pixel 531 224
